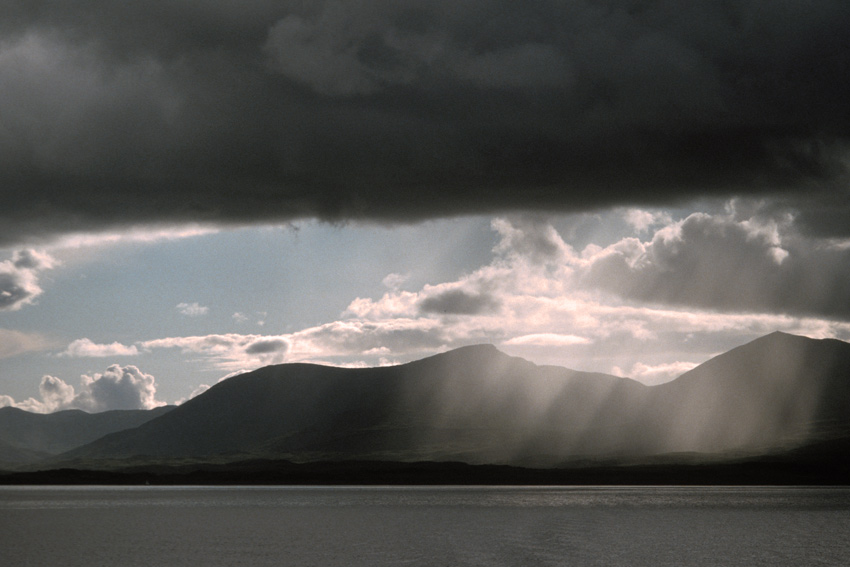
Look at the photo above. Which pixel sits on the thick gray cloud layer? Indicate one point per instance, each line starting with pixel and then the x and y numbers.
pixel 159 111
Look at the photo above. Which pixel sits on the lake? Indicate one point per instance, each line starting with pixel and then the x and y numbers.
pixel 433 526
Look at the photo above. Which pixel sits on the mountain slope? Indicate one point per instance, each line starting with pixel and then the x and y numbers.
pixel 11 455
pixel 26 436
pixel 474 404
pixel 777 391
pixel 478 405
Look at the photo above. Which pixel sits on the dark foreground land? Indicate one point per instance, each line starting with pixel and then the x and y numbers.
pixel 813 468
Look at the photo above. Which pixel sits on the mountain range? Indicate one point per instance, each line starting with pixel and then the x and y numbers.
pixel 27 437
pixel 776 395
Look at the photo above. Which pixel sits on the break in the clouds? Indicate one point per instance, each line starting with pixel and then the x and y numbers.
pixel 167 112
pixel 714 278
pixel 118 388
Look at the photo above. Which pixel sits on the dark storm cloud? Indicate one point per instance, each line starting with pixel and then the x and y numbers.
pixel 160 111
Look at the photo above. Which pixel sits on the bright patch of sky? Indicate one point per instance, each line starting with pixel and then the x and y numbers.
pixel 641 293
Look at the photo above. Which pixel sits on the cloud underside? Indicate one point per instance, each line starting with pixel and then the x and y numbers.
pixel 216 112
pixel 727 276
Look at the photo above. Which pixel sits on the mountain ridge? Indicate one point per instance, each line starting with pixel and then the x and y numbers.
pixel 24 435
pixel 478 405
pixel 441 407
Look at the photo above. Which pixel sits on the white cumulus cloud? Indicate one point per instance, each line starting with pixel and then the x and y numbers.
pixel 87 348
pixel 117 388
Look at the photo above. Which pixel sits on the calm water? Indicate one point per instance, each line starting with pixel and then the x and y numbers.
pixel 283 526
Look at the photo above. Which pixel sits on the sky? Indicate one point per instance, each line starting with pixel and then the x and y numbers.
pixel 190 190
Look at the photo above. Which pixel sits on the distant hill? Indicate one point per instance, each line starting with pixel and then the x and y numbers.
pixel 777 392
pixel 12 455
pixel 474 404
pixel 479 405
pixel 27 437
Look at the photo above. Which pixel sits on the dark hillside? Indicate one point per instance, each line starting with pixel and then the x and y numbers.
pixel 36 434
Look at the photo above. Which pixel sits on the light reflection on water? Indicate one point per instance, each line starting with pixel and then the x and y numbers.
pixel 53 497
pixel 218 526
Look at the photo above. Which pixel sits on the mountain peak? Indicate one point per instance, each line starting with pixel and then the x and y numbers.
pixel 477 349
pixel 479 354
pixel 779 340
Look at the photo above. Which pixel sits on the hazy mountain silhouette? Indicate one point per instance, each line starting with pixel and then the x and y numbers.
pixel 11 455
pixel 474 404
pixel 26 437
pixel 779 391
pixel 478 405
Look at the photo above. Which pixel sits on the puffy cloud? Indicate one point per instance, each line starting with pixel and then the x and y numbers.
pixel 217 112
pixel 32 260
pixel 729 262
pixel 56 394
pixel 118 387
pixel 87 348
pixel 584 305
pixel 192 309
pixel 529 239
pixel 642 220
pixel 19 278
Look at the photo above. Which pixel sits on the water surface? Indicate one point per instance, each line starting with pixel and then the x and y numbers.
pixel 586 526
